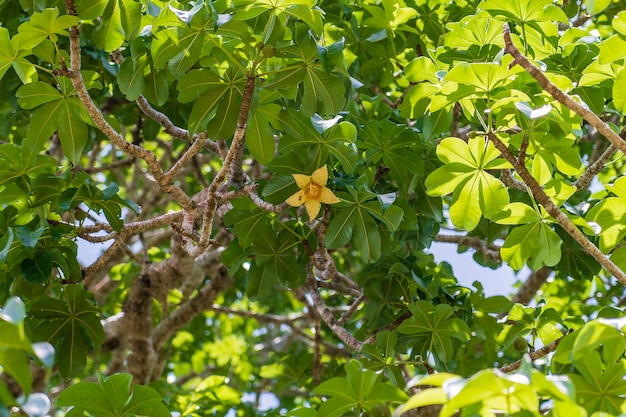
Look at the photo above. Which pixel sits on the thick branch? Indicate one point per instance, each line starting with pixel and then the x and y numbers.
pixel 547 203
pixel 563 98
pixel 96 115
pixel 181 316
pixel 533 283
pixel 231 157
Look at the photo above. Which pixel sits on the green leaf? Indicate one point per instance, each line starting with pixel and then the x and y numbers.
pixel 30 234
pixel 117 390
pixel 525 10
pixel 35 94
pixel 260 284
pixel 156 89
pixel 131 78
pixel 72 326
pixel 204 108
pixel 37 269
pixel 516 213
pixel 312 17
pixel 421 69
pixel 90 9
pixel 610 215
pixel 6 52
pixel 323 93
pixel 340 229
pixel 72 130
pixel 14 363
pixel 535 243
pixel 43 124
pixel 196 82
pixel 146 402
pixel 330 56
pixel 276 255
pixel 109 35
pixel 87 396
pixel 619 92
pixel 436 326
pixel 228 112
pixel 248 224
pixel 596 6
pixel 260 139
pixel 130 16
pixel 612 49
pixel 43 25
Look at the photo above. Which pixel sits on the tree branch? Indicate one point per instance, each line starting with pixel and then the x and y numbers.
pixel 539 353
pixel 96 115
pixel 491 252
pixel 327 315
pixel 231 156
pixel 556 213
pixel 559 95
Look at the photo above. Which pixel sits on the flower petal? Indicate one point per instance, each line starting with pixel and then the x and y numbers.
pixel 297 199
pixel 313 208
pixel 301 180
pixel 327 197
pixel 320 176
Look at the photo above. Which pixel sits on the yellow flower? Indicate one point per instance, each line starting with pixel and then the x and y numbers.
pixel 313 192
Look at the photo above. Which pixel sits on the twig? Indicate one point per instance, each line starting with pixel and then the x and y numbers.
pixel 196 146
pixel 351 310
pixel 510 182
pixel 353 292
pixel 539 353
pixel 106 168
pixel 491 252
pixel 327 315
pixel 593 169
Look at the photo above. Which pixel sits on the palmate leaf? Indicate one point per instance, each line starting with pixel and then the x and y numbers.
pixel 535 243
pixel 275 254
pixel 436 326
pixel 524 10
pixel 354 220
pixel 476 192
pixel 71 324
pixel 113 397
pixel 42 25
pixel 397 147
pixel 610 215
pixel 248 223
pixel 16 162
pixel 337 140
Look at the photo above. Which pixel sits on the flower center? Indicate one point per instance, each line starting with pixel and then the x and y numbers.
pixel 312 191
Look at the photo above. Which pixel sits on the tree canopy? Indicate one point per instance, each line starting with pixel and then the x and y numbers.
pixel 266 178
